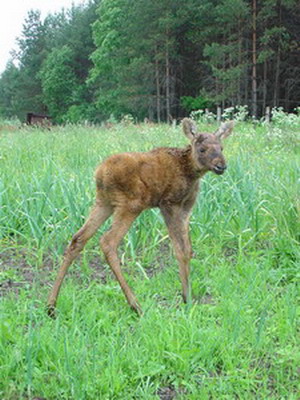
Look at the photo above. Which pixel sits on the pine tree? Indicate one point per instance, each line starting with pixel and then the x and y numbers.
pixel 33 51
pixel 58 81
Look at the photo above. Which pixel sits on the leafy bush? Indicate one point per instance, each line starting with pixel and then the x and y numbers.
pixel 14 122
pixel 195 103
pixel 79 113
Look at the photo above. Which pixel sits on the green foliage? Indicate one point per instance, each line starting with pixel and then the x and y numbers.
pixel 122 69
pixel 33 51
pixel 22 88
pixel 79 113
pixel 190 103
pixel 9 91
pixel 58 81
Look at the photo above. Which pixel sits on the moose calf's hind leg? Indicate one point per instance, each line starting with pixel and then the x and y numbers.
pixel 98 216
pixel 109 244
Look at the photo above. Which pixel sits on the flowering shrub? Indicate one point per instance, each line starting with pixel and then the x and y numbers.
pixel 127 119
pixel 238 113
pixel 279 117
pixel 202 116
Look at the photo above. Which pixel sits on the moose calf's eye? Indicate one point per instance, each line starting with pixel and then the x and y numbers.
pixel 202 150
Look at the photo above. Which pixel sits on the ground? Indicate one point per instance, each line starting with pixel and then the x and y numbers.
pixel 239 337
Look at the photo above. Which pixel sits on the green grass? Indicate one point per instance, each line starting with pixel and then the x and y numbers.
pixel 239 338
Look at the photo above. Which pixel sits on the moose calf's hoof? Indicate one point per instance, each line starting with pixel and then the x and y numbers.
pixel 51 311
pixel 137 308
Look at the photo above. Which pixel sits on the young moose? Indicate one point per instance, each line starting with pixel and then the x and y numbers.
pixel 129 183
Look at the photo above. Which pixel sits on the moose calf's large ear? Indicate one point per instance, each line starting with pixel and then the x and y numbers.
pixel 189 128
pixel 225 130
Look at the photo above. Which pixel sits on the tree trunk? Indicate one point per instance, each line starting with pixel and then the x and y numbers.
pixel 157 88
pixel 219 114
pixel 239 102
pixel 246 75
pixel 223 84
pixel 265 85
pixel 277 68
pixel 254 60
pixel 287 94
pixel 267 114
pixel 168 108
pixel 276 84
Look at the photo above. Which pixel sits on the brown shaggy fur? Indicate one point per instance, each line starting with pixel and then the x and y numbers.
pixel 129 183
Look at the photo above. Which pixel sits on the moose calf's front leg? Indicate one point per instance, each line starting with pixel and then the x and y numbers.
pixel 183 256
pixel 177 223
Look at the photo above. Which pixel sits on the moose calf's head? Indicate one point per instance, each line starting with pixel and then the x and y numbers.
pixel 206 147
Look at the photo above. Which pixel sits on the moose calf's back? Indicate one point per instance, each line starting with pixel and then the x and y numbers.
pixel 159 176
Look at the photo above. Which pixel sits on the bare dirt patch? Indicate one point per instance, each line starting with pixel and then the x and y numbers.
pixel 16 271
pixel 19 270
pixel 170 393
pixel 167 393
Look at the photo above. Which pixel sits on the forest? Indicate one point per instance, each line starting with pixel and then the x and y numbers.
pixel 160 60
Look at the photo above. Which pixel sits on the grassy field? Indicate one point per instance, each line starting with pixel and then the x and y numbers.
pixel 240 337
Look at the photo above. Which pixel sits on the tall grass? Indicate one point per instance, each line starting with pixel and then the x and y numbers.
pixel 238 339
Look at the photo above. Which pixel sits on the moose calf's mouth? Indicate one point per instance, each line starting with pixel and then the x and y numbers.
pixel 219 169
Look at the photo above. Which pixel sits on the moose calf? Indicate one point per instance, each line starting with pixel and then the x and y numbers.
pixel 129 183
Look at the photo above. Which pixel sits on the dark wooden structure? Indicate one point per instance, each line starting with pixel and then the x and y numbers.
pixel 38 119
